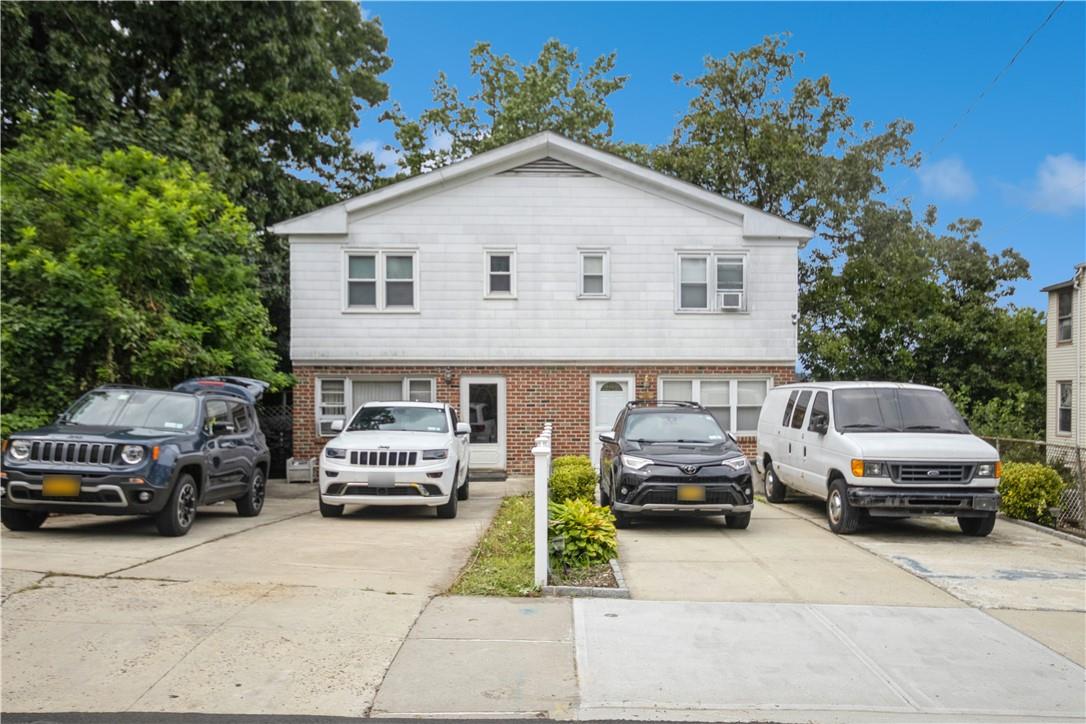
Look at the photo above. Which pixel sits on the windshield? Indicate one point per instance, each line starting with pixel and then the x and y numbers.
pixel 400 419
pixel 886 409
pixel 677 427
pixel 134 408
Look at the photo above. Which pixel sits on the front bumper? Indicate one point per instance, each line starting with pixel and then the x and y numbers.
pixel 894 502
pixel 344 484
pixel 657 490
pixel 102 494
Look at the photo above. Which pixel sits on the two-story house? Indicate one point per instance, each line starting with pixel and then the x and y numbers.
pixel 1065 422
pixel 540 281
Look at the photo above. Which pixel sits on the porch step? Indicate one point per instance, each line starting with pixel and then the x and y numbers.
pixel 487 474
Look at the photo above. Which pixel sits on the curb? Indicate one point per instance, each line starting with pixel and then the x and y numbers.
pixel 593 591
pixel 1043 529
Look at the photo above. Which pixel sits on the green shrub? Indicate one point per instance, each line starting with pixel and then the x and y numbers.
pixel 23 420
pixel 587 532
pixel 572 478
pixel 1028 490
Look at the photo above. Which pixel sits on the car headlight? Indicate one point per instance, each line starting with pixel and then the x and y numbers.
pixel 868 469
pixel 19 449
pixel 990 470
pixel 435 454
pixel 736 463
pixel 635 463
pixel 335 453
pixel 132 454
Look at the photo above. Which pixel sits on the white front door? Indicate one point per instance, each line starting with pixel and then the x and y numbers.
pixel 482 405
pixel 609 395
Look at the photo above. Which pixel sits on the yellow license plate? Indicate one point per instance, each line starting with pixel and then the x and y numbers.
pixel 691 493
pixel 60 486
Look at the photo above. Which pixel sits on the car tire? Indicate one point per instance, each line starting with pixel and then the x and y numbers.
pixel 977 527
pixel 464 491
pixel 448 510
pixel 22 520
pixel 622 519
pixel 843 518
pixel 737 521
pixel 605 497
pixel 177 516
pixel 327 509
pixel 775 492
pixel 250 504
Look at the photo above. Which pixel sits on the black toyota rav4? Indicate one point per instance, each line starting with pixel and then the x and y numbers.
pixel 123 450
pixel 673 457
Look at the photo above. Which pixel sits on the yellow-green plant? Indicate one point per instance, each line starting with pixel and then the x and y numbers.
pixel 572 478
pixel 586 530
pixel 1028 490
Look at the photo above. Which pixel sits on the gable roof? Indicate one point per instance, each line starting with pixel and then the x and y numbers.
pixel 560 153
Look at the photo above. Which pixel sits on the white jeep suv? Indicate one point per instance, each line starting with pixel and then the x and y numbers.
pixel 396 453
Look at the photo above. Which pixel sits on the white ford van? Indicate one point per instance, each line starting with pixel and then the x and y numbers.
pixel 877 449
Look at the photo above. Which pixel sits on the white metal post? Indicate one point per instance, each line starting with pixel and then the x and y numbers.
pixel 542 453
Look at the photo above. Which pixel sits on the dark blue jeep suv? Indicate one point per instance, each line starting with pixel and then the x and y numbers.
pixel 123 450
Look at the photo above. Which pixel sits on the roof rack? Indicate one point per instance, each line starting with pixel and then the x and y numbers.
pixel 660 403
pixel 246 388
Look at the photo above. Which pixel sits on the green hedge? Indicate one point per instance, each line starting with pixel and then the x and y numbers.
pixel 572 478
pixel 586 531
pixel 1028 490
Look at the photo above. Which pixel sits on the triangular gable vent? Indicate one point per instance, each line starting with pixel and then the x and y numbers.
pixel 547 167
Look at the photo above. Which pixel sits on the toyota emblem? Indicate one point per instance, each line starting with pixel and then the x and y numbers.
pixel 689 469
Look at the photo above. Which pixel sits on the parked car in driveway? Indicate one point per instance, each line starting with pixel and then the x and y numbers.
pixel 877 450
pixel 673 457
pixel 397 453
pixel 122 450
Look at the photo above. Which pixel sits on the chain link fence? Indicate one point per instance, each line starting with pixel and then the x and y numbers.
pixel 1068 460
pixel 277 422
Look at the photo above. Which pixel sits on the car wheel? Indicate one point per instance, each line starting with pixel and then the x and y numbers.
pixel 463 492
pixel 978 527
pixel 20 520
pixel 622 519
pixel 176 517
pixel 843 517
pixel 738 521
pixel 775 491
pixel 448 510
pixel 250 504
pixel 328 510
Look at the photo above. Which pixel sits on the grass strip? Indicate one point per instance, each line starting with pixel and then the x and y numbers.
pixel 502 563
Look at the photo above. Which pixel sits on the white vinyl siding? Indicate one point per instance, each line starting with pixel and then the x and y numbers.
pixel 500 273
pixel 338 398
pixel 594 275
pixel 381 281
pixel 735 403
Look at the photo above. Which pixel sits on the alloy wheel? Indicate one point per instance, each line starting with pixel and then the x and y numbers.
pixel 186 505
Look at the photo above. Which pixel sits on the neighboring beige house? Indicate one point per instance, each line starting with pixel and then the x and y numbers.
pixel 1065 422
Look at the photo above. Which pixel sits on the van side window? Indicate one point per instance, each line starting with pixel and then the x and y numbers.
pixel 801 409
pixel 821 406
pixel 788 408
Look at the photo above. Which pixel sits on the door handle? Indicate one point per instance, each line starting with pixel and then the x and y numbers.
pixel 789 447
pixel 804 451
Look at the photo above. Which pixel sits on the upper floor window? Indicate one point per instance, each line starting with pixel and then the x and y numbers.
pixel 1064 324
pixel 709 282
pixel 382 280
pixel 1064 396
pixel 594 282
pixel 501 274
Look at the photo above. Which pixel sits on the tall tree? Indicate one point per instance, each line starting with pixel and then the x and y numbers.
pixel 256 94
pixel 514 100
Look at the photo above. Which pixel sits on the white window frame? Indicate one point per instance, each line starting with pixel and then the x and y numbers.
pixel 1070 317
pixel 733 394
pixel 380 272
pixel 348 392
pixel 1070 408
pixel 605 254
pixel 717 258
pixel 711 257
pixel 512 254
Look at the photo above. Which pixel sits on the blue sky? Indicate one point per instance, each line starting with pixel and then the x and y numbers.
pixel 1016 161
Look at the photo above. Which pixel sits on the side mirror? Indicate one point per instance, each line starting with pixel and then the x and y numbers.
pixel 221 427
pixel 819 423
pixel 608 436
pixel 463 428
pixel 337 426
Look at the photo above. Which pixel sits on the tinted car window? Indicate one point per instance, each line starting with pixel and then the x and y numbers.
pixel 821 406
pixel 400 419
pixel 789 407
pixel 134 408
pixel 217 411
pixel 673 427
pixel 801 409
pixel 886 409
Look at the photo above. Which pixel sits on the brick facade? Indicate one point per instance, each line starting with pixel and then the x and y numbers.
pixel 534 394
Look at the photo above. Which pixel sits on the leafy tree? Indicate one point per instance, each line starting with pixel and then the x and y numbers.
pixel 119 265
pixel 255 94
pixel 514 100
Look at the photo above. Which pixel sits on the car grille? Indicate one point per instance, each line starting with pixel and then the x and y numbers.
pixel 669 496
pixel 348 489
pixel 31 495
pixel 931 473
pixel 383 458
pixel 72 452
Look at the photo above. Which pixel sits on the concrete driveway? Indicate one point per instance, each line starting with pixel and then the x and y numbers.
pixel 283 613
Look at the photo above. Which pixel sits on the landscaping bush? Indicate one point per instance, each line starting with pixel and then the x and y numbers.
pixel 572 478
pixel 587 531
pixel 1028 490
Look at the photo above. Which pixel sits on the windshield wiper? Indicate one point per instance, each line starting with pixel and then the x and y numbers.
pixel 935 428
pixel 865 426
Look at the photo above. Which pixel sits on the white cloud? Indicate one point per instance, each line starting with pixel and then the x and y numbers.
pixel 388 157
pixel 947 179
pixel 441 141
pixel 1060 186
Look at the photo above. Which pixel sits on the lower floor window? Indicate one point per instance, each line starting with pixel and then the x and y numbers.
pixel 1063 423
pixel 338 397
pixel 736 404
